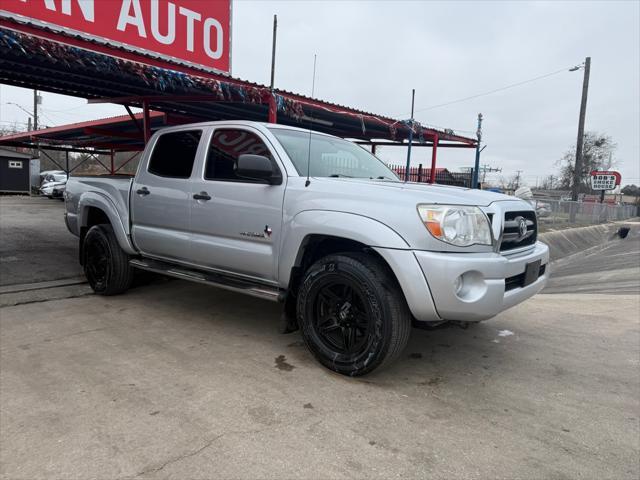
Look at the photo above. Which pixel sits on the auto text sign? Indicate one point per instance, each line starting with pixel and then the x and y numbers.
pixel 605 180
pixel 195 32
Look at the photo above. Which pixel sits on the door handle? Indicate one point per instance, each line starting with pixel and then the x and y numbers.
pixel 202 196
pixel 143 191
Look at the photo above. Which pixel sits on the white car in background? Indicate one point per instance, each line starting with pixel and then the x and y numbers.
pixel 54 184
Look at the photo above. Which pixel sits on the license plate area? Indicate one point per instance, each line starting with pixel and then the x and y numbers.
pixel 531 273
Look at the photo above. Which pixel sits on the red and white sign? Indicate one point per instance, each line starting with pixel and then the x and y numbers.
pixel 605 180
pixel 195 32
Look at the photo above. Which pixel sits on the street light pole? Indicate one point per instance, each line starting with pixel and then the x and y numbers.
pixel 273 50
pixel 577 172
pixel 406 172
pixel 474 180
pixel 35 109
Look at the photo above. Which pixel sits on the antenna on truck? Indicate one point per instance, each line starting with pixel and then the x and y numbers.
pixel 313 89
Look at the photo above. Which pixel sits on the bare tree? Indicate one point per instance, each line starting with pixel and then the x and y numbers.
pixel 597 154
pixel 550 182
pixel 511 183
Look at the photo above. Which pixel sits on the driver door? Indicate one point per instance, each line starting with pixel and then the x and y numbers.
pixel 237 229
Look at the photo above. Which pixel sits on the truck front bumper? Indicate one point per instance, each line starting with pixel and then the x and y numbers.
pixel 466 286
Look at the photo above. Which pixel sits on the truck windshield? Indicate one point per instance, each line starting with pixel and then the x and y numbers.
pixel 330 156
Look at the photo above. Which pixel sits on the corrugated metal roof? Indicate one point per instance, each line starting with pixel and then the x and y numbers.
pixel 31 61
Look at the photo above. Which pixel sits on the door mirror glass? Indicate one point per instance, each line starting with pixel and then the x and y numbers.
pixel 257 167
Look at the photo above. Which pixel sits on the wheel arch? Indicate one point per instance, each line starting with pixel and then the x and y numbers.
pixel 315 234
pixel 94 209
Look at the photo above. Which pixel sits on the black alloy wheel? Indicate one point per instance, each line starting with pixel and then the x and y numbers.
pixel 341 316
pixel 352 313
pixel 106 265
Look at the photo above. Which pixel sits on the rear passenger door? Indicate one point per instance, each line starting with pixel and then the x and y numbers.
pixel 161 196
pixel 237 222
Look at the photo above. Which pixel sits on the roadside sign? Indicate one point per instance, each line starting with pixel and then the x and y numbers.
pixel 189 32
pixel 605 180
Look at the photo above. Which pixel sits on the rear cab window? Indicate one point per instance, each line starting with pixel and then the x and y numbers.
pixel 174 154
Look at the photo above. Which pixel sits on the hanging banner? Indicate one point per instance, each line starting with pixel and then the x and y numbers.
pixel 192 32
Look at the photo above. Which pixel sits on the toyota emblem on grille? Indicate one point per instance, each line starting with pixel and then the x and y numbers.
pixel 522 227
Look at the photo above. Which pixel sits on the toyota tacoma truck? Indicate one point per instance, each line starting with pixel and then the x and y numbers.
pixel 356 256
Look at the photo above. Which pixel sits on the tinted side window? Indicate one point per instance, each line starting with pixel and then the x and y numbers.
pixel 225 148
pixel 174 154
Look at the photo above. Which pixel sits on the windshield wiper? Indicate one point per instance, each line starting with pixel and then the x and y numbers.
pixel 382 178
pixel 337 175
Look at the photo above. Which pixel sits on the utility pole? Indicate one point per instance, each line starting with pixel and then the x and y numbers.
pixel 474 181
pixel 273 50
pixel 577 173
pixel 35 109
pixel 488 168
pixel 518 172
pixel 406 172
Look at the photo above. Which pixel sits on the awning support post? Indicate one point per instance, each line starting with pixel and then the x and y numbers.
pixel 112 163
pixel 434 153
pixel 273 109
pixel 146 121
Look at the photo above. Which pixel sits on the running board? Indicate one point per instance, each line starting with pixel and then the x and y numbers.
pixel 227 282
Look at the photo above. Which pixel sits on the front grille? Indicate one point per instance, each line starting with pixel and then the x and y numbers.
pixel 517 281
pixel 512 235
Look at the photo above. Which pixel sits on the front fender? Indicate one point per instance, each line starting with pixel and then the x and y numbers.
pixel 365 230
pixel 93 199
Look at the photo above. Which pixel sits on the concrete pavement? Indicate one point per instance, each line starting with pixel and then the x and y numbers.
pixel 35 245
pixel 176 380
pixel 184 381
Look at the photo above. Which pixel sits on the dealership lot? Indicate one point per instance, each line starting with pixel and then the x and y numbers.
pixel 175 380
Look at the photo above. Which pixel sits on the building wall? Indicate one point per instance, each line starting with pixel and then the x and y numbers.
pixel 14 179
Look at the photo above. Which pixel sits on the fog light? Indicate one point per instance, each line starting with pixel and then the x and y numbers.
pixel 470 286
pixel 457 284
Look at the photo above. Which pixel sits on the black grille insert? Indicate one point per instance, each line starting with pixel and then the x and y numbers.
pixel 514 233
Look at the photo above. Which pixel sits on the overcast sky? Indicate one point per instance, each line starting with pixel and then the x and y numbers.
pixel 371 54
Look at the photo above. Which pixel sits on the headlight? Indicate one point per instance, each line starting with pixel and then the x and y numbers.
pixel 455 224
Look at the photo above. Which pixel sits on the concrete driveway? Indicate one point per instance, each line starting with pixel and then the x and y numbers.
pixel 35 245
pixel 182 381
pixel 175 380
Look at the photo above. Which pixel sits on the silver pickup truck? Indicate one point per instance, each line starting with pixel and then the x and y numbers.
pixel 356 256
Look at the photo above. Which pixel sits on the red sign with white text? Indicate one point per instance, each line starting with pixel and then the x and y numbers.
pixel 605 180
pixel 196 32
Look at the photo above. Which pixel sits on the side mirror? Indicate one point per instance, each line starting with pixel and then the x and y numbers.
pixel 257 167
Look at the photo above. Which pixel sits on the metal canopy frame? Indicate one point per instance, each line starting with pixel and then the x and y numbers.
pixel 170 95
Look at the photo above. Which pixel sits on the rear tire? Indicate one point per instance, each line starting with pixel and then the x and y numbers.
pixel 352 313
pixel 106 265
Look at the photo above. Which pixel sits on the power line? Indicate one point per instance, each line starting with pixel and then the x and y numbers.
pixel 506 87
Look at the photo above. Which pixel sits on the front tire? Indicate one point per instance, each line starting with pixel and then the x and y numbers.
pixel 106 265
pixel 352 313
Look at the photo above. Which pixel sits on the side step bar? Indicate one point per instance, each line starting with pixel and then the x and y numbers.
pixel 227 282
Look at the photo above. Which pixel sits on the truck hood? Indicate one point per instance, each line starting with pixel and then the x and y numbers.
pixel 393 204
pixel 423 192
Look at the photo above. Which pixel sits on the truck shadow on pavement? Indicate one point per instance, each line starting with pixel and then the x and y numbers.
pixel 432 359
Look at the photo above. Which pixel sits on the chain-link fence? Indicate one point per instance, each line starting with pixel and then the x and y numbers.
pixel 558 213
